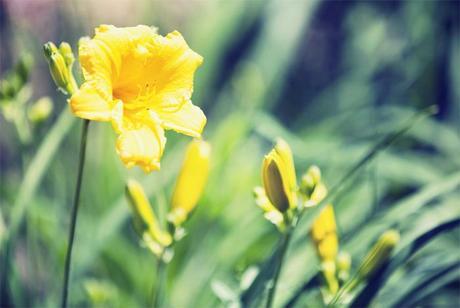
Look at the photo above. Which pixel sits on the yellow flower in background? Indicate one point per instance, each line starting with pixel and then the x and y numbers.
pixel 142 83
pixel 191 181
pixel 145 221
pixel 324 234
pixel 278 174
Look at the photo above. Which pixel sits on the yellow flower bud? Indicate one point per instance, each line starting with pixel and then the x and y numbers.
pixel 311 177
pixel 324 234
pixel 328 268
pixel 311 186
pixel 379 254
pixel 191 181
pixel 145 220
pixel 40 110
pixel 59 69
pixel 278 174
pixel 67 53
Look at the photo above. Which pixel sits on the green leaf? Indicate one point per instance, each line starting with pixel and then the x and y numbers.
pixel 367 294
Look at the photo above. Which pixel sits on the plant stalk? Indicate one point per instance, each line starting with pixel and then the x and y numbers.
pixel 158 291
pixel 73 221
pixel 284 246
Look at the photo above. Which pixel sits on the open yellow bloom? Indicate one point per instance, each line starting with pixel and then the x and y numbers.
pixel 142 83
pixel 191 181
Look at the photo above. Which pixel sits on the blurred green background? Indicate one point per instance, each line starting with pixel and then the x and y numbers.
pixel 331 77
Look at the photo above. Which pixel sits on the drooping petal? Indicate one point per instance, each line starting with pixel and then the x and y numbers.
pixel 87 103
pixel 142 146
pixel 188 119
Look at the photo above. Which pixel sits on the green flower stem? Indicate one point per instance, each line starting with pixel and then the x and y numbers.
pixel 73 221
pixel 158 289
pixel 284 246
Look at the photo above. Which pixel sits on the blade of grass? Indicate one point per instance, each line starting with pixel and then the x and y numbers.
pixel 368 293
pixel 36 171
pixel 442 275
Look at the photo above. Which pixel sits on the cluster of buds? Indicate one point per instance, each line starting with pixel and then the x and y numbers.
pixel 281 198
pixel 60 62
pixel 16 103
pixel 326 241
pixel 283 201
pixel 188 190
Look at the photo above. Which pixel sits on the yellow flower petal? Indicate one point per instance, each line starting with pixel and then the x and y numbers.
pixel 177 63
pixel 87 103
pixel 188 120
pixel 142 146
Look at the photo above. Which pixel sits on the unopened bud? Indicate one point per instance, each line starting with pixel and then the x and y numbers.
pixel 311 177
pixel 145 220
pixel 324 234
pixel 379 254
pixel 40 110
pixel 67 53
pixel 278 174
pixel 191 181
pixel 59 69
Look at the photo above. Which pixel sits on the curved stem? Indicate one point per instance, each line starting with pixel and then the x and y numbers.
pixel 272 289
pixel 73 221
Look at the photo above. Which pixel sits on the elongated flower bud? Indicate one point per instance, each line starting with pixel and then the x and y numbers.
pixel 278 174
pixel 379 254
pixel 191 181
pixel 324 234
pixel 67 53
pixel 310 179
pixel 59 68
pixel 40 110
pixel 145 220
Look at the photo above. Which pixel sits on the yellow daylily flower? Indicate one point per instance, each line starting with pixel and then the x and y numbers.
pixel 145 220
pixel 142 83
pixel 324 234
pixel 278 174
pixel 191 181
